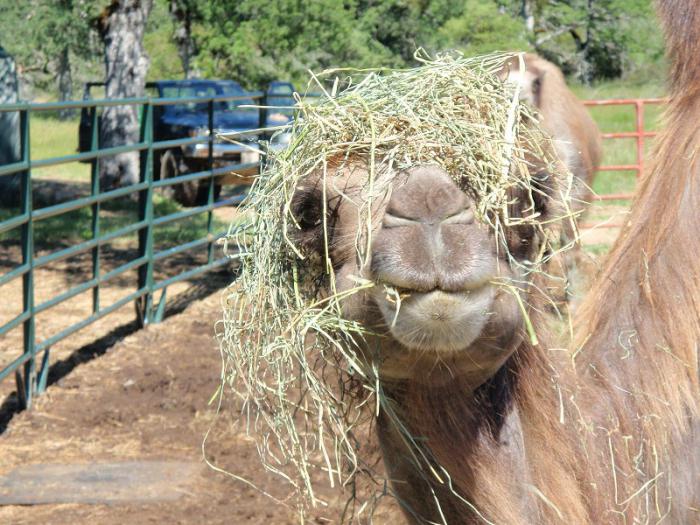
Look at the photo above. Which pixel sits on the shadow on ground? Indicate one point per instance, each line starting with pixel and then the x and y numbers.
pixel 200 288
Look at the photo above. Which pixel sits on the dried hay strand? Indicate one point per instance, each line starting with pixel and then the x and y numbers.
pixel 290 356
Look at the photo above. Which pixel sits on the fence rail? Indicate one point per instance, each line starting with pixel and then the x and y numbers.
pixel 31 366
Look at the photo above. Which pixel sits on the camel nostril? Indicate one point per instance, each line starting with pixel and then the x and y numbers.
pixel 463 217
pixel 396 221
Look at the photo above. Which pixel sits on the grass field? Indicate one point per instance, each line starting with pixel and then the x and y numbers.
pixel 50 138
pixel 614 119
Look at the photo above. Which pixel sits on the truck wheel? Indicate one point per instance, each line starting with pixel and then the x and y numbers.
pixel 203 193
pixel 172 165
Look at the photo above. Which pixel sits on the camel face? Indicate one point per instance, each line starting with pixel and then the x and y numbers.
pixel 528 82
pixel 437 270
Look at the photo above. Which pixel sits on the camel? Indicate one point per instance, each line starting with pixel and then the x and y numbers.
pixel 576 137
pixel 577 143
pixel 482 423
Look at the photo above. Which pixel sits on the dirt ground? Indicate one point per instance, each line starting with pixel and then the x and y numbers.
pixel 146 399
pixel 62 275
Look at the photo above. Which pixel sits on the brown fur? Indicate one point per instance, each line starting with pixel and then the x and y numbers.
pixel 613 438
pixel 631 403
pixel 508 431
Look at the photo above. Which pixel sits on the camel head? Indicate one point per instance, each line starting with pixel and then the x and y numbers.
pixel 444 298
pixel 397 242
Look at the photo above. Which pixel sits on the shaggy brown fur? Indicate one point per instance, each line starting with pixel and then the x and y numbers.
pixel 615 440
pixel 577 142
pixel 639 328
pixel 610 433
pixel 564 117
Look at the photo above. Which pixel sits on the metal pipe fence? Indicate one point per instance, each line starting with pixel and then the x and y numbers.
pixel 31 366
pixel 640 134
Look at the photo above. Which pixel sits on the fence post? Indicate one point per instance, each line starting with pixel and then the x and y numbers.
pixel 26 382
pixel 639 113
pixel 212 182
pixel 95 190
pixel 262 116
pixel 144 305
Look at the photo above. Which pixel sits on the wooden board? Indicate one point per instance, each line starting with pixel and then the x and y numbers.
pixel 99 483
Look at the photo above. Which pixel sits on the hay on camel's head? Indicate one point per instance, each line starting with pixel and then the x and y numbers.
pixel 293 360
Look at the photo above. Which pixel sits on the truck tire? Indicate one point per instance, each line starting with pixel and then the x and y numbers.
pixel 173 165
pixel 203 192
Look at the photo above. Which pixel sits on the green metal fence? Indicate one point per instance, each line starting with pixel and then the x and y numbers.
pixel 30 368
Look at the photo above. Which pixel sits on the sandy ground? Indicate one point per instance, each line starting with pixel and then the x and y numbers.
pixel 147 399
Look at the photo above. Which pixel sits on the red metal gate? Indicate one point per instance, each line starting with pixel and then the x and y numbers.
pixel 640 134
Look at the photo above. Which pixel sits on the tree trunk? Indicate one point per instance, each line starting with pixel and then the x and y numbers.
pixel 528 13
pixel 586 65
pixel 181 13
pixel 122 26
pixel 65 82
pixel 9 130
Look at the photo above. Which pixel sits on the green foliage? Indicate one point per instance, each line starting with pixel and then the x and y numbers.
pixel 37 32
pixel 283 38
pixel 159 44
pixel 583 37
pixel 482 28
pixel 254 41
pixel 643 39
pixel 593 39
pixel 396 28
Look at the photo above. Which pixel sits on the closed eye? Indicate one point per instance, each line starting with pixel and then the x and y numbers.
pixel 307 210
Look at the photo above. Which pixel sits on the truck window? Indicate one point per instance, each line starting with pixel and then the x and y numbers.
pixel 188 92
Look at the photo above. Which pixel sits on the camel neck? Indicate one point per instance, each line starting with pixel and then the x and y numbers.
pixel 437 438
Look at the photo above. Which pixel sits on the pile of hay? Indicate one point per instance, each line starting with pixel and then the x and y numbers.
pixel 290 356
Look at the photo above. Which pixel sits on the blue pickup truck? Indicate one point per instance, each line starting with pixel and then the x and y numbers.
pixel 191 119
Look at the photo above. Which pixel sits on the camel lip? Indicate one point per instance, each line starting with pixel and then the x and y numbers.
pixel 405 293
pixel 440 296
pixel 437 320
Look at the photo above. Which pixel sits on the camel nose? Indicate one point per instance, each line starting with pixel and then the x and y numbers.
pixel 429 238
pixel 428 196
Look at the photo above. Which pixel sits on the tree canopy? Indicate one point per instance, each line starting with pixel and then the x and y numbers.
pixel 255 42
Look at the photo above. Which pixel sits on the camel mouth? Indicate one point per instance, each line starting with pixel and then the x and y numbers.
pixel 437 320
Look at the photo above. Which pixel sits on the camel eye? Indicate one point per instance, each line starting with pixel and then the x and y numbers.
pixel 309 218
pixel 311 231
pixel 307 210
pixel 536 86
